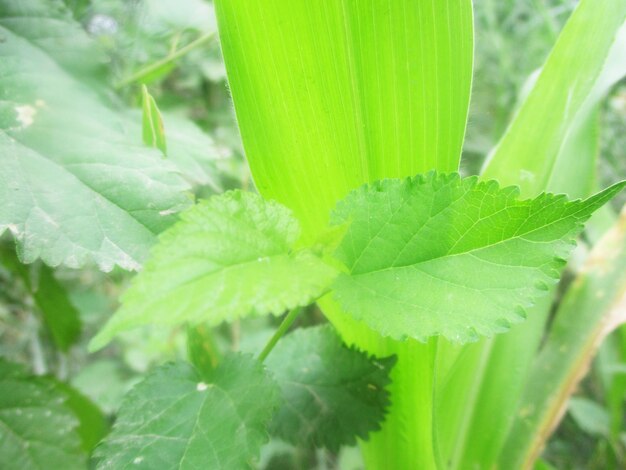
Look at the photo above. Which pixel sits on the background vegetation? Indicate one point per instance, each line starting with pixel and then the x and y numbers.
pixel 171 46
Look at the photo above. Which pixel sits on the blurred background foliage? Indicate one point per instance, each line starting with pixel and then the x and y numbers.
pixel 171 46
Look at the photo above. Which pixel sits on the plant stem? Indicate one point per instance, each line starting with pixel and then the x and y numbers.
pixel 282 329
pixel 142 73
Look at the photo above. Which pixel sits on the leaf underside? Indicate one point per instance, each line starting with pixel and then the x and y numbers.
pixel 177 418
pixel 332 394
pixel 441 255
pixel 229 256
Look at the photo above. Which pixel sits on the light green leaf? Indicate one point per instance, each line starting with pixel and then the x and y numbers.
pixel 441 255
pixel 333 94
pixel 73 187
pixel 37 429
pixel 229 256
pixel 153 132
pixel 196 155
pixel 332 394
pixel 179 418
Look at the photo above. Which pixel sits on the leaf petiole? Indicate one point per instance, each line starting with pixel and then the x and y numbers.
pixel 282 329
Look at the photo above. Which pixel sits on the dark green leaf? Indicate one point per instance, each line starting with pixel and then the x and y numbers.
pixel 332 393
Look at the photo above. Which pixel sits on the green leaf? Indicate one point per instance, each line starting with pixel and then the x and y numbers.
pixel 179 418
pixel 59 314
pixel 194 152
pixel 591 417
pixel 567 165
pixel 593 307
pixel 74 187
pixel 93 425
pixel 441 255
pixel 561 91
pixel 48 25
pixel 332 394
pixel 202 348
pixel 333 94
pixel 153 132
pixel 229 256
pixel 37 429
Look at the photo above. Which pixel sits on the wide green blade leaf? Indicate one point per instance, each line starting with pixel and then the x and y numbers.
pixel 441 255
pixel 179 417
pixel 229 256
pixel 74 187
pixel 332 393
pixel 332 94
pixel 530 147
pixel 500 366
pixel 37 429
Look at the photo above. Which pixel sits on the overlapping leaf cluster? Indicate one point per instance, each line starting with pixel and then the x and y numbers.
pixel 406 255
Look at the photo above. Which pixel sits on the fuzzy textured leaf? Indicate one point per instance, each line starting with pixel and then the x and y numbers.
pixel 332 394
pixel 37 429
pixel 441 255
pixel 229 256
pixel 179 418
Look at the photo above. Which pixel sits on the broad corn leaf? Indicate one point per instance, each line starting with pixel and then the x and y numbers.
pixel 332 94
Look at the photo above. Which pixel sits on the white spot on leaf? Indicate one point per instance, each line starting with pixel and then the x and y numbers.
pixel 201 387
pixel 25 115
